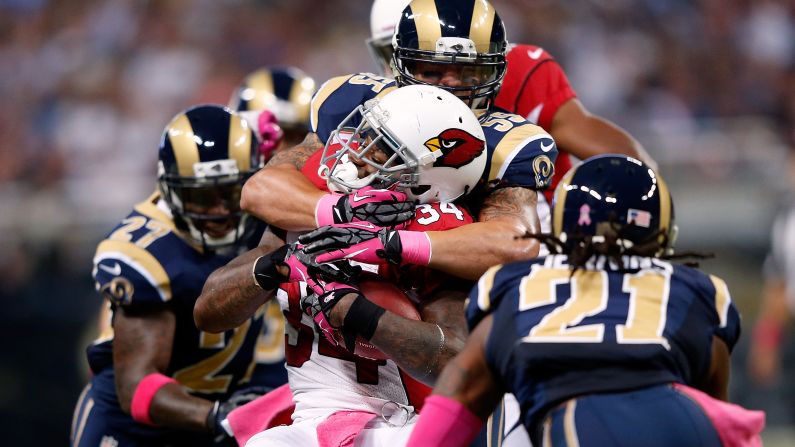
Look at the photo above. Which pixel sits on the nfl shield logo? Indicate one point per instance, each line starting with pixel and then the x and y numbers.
pixel 639 217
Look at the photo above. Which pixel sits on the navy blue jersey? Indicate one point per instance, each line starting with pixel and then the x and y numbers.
pixel 520 153
pixel 555 336
pixel 144 265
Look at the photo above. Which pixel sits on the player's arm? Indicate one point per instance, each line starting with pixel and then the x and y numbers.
pixel 716 383
pixel 231 295
pixel 465 395
pixel 469 251
pixel 280 194
pixel 142 347
pixel 583 134
pixel 764 358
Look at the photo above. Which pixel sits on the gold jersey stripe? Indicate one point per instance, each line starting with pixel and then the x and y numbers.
pixel 482 25
pixel 560 200
pixel 722 299
pixel 261 82
pixel 322 95
pixel 149 209
pixel 426 19
pixel 510 145
pixel 83 419
pixel 186 152
pixel 140 259
pixel 240 142
pixel 385 91
pixel 301 97
pixel 485 283
pixel 569 424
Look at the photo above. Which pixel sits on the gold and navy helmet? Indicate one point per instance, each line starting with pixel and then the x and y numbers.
pixel 206 154
pixel 619 193
pixel 285 92
pixel 459 45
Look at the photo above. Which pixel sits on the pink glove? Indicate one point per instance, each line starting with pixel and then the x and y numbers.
pixel 270 134
pixel 365 242
pixel 318 306
pixel 381 207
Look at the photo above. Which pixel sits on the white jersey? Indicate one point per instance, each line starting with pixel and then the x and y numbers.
pixel 325 378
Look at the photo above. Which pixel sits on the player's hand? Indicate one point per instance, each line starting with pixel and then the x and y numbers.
pixel 381 207
pixel 221 431
pixel 356 241
pixel 270 134
pixel 324 312
pixel 291 264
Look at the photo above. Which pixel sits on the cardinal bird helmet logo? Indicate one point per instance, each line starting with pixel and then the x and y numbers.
pixel 458 148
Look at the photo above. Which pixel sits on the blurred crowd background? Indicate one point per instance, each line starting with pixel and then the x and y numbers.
pixel 708 86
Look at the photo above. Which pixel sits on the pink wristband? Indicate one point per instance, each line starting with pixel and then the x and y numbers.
pixel 144 393
pixel 444 421
pixel 416 247
pixel 324 210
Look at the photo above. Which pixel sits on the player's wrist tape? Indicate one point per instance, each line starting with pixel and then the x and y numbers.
pixel 416 246
pixel 265 273
pixel 324 210
pixel 444 421
pixel 144 394
pixel 362 317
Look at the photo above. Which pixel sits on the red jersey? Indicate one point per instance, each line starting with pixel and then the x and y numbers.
pixel 416 281
pixel 535 87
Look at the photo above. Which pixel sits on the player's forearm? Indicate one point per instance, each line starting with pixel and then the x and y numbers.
pixel 283 197
pixel 173 407
pixel 470 250
pixel 230 295
pixel 417 347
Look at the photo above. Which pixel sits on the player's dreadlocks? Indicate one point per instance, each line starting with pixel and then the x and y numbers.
pixel 613 244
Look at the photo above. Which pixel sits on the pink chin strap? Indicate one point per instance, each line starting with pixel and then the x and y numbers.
pixel 270 133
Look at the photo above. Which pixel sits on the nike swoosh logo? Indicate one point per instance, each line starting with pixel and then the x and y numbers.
pixel 546 148
pixel 535 114
pixel 115 270
pixel 357 197
pixel 357 252
pixel 535 54
pixel 367 225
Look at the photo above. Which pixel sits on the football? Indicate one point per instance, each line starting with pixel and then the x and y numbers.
pixel 391 298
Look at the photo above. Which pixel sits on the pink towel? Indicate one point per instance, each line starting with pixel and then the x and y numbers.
pixel 270 410
pixel 736 426
pixel 341 428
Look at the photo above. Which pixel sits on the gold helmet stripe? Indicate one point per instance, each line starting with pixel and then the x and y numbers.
pixel 722 299
pixel 300 97
pixel 559 200
pixel 261 81
pixel 482 25
pixel 665 203
pixel 186 152
pixel 322 95
pixel 240 142
pixel 426 19
pixel 140 259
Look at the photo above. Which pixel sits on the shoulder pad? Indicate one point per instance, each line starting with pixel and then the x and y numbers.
pixel 129 275
pixel 521 153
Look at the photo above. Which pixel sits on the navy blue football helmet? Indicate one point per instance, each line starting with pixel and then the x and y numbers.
pixel 464 39
pixel 284 91
pixel 206 154
pixel 615 192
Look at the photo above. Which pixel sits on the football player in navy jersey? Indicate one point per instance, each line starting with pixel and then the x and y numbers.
pixel 604 342
pixel 157 379
pixel 275 102
pixel 466 34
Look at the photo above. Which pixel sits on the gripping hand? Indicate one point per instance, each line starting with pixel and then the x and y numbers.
pixel 381 207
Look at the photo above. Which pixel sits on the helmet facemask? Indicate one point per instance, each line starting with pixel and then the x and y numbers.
pixel 207 205
pixel 480 74
pixel 349 148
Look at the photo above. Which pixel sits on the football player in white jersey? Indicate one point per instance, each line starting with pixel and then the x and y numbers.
pixel 406 139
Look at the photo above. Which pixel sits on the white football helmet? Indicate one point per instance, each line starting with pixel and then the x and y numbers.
pixel 384 17
pixel 419 138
